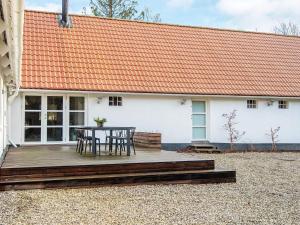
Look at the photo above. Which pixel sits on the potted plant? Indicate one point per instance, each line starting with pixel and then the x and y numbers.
pixel 100 121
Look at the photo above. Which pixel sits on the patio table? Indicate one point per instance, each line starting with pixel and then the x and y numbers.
pixel 110 129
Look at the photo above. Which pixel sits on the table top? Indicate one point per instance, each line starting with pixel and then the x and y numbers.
pixel 104 128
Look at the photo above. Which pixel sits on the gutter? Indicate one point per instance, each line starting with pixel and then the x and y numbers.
pixel 154 94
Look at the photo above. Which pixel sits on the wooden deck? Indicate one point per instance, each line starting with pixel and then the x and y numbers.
pixel 57 155
pixel 61 166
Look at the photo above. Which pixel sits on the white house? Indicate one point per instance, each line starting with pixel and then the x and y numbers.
pixel 176 80
pixel 11 18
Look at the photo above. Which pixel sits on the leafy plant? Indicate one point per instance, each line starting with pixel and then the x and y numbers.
pixel 100 121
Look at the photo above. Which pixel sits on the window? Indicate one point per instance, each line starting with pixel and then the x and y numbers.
pixel 199 120
pixel 33 124
pixel 251 104
pixel 55 115
pixel 76 115
pixel 282 104
pixel 115 101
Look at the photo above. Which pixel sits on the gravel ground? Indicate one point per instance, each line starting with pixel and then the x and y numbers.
pixel 267 192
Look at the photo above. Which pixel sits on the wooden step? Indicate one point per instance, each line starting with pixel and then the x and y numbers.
pixel 169 177
pixel 102 169
pixel 203 146
pixel 203 150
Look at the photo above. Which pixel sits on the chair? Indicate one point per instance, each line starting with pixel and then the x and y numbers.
pixel 84 140
pixel 122 141
pixel 108 137
pixel 79 139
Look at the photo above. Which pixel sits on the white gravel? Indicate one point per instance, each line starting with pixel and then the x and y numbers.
pixel 266 192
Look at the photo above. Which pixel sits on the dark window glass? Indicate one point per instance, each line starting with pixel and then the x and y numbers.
pixel 282 104
pixel 72 134
pixel 76 118
pixel 55 103
pixel 32 118
pixel 76 103
pixel 54 118
pixel 32 134
pixel 115 101
pixel 33 102
pixel 54 134
pixel 251 104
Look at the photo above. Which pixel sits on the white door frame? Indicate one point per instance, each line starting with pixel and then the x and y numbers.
pixel 67 114
pixel 65 126
pixel 206 119
pixel 45 125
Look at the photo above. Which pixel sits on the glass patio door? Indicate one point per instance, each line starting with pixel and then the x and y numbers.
pixel 199 120
pixel 76 111
pixel 43 119
pixel 33 119
pixel 55 119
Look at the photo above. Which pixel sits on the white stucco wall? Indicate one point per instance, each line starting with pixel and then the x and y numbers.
pixel 15 120
pixel 2 120
pixel 256 122
pixel 168 116
pixel 150 114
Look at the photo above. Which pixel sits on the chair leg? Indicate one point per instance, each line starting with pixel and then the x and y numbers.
pixel 77 145
pixel 86 144
pixel 80 148
pixel 99 147
pixel 116 147
pixel 133 146
pixel 121 147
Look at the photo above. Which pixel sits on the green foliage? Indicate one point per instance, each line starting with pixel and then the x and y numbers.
pixel 100 121
pixel 121 9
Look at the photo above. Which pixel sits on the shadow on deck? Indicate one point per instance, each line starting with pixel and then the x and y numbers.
pixel 59 166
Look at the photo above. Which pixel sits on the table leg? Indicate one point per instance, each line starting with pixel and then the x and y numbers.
pixel 93 142
pixel 128 141
pixel 110 141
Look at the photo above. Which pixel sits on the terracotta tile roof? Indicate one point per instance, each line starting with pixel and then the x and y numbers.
pixel 111 55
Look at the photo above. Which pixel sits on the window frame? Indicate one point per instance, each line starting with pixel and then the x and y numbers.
pixel 69 111
pixel 115 101
pixel 252 104
pixel 283 104
pixel 25 126
pixel 205 115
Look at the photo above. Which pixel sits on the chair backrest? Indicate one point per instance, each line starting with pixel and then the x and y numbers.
pixel 120 133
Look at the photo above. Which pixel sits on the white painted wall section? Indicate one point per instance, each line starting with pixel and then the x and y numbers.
pixel 256 122
pixel 2 120
pixel 16 120
pixel 149 114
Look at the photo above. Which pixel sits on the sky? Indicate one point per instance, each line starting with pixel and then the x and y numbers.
pixel 251 15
